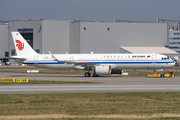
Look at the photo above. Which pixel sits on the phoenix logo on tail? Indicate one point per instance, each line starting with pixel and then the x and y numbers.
pixel 20 45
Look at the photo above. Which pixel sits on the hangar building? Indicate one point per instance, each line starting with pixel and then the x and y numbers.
pixel 82 36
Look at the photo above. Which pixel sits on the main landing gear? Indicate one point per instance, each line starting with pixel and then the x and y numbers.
pixel 87 74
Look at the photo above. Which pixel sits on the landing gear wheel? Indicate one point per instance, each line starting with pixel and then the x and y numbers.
pixel 87 74
pixel 94 75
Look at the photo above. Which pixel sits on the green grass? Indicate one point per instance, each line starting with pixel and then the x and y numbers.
pixel 46 82
pixel 81 72
pixel 86 104
pixel 78 72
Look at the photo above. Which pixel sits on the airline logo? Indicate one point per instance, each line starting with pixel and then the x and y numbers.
pixel 20 45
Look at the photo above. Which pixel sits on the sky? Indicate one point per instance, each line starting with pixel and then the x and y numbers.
pixel 91 10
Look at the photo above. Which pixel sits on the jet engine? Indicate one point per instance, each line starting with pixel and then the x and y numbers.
pixel 106 69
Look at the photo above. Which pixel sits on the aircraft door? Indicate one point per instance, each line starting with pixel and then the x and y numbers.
pixel 71 58
pixel 154 58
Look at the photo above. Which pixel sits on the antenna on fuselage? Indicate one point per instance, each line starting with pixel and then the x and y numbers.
pixel 92 52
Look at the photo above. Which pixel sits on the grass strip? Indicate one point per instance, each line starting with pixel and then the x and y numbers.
pixel 47 82
pixel 92 104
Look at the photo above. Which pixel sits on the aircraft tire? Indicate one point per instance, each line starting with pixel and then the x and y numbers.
pixel 87 74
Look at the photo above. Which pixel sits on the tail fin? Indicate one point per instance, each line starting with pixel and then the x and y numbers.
pixel 21 46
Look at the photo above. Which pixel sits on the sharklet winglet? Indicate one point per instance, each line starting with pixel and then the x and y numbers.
pixel 53 57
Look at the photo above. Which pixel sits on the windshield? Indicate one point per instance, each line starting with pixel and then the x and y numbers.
pixel 165 58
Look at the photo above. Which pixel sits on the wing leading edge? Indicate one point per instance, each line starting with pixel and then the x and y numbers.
pixel 71 62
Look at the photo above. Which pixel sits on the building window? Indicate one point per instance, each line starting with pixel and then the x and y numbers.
pixel 84 28
pixel 174 42
pixel 174 47
pixel 12 51
pixel 175 38
pixel 176 33
pixel 6 54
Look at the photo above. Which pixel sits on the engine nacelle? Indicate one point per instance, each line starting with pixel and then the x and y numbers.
pixel 105 70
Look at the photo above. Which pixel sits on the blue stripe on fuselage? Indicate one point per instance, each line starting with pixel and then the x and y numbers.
pixel 103 62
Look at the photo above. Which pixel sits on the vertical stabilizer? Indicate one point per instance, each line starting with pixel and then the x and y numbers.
pixel 21 45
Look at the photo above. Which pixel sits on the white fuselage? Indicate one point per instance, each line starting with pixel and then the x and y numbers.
pixel 116 61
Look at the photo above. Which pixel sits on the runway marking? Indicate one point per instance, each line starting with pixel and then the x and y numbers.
pixel 15 117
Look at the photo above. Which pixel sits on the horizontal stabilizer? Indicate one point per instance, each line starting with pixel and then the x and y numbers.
pixel 16 58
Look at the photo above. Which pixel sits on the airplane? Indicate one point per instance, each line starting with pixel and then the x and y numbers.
pixel 101 64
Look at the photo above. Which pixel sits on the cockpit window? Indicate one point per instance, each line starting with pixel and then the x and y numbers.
pixel 165 58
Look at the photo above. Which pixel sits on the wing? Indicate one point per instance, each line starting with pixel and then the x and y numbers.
pixel 85 64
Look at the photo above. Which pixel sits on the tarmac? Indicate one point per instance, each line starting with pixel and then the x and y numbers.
pixel 106 84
